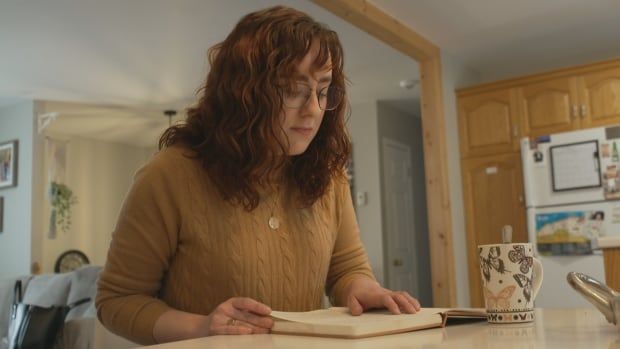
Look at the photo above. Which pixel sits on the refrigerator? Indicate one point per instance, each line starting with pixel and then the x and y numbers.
pixel 572 196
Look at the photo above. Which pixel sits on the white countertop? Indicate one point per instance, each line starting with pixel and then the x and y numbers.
pixel 612 241
pixel 553 328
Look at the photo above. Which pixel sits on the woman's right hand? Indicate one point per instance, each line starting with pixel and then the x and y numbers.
pixel 239 316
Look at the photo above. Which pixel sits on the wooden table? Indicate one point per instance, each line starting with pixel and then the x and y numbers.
pixel 553 328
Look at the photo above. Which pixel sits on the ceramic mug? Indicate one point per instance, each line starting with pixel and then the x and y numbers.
pixel 511 278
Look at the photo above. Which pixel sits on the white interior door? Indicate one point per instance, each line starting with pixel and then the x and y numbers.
pixel 399 214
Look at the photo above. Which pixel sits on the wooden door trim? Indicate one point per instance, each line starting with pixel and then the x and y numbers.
pixel 386 28
pixel 472 251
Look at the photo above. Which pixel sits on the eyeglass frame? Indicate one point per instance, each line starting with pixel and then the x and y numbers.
pixel 317 94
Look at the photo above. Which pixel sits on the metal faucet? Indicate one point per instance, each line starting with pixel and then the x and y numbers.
pixel 606 300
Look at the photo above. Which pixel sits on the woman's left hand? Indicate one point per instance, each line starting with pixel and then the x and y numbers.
pixel 365 294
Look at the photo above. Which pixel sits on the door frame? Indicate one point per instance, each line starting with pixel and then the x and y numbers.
pixel 386 28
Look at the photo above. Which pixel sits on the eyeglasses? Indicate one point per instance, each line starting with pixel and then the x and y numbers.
pixel 329 97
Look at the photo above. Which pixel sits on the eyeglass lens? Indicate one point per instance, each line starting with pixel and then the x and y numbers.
pixel 328 97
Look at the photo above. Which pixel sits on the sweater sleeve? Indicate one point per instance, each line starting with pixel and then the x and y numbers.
pixel 143 244
pixel 349 260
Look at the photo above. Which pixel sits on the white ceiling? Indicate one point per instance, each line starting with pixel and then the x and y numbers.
pixel 150 55
pixel 501 39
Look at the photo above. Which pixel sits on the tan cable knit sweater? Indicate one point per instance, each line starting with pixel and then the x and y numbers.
pixel 177 244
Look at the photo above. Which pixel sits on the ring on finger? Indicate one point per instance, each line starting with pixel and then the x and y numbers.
pixel 231 322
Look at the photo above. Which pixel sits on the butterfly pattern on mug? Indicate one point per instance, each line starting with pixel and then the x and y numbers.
pixel 492 261
pixel 517 255
pixel 502 299
pixel 526 284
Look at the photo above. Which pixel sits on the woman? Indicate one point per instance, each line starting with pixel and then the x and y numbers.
pixel 246 207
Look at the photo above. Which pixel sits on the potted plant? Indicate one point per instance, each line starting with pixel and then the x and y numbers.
pixel 61 199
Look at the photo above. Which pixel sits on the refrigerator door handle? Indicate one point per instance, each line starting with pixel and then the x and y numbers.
pixel 526 168
pixel 595 159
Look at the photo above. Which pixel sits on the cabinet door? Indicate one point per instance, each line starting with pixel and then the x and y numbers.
pixel 600 98
pixel 488 123
pixel 549 106
pixel 493 198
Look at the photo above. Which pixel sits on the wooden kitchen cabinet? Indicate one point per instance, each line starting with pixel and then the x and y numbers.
pixel 549 106
pixel 492 117
pixel 599 95
pixel 583 100
pixel 488 123
pixel 493 198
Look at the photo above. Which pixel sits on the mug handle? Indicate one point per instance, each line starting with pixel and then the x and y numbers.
pixel 537 277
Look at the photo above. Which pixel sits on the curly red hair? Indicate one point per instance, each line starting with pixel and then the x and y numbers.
pixel 235 125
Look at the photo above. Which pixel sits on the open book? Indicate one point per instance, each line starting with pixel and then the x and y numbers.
pixel 338 322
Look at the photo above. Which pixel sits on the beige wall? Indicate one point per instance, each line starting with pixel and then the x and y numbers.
pixel 363 130
pixel 99 173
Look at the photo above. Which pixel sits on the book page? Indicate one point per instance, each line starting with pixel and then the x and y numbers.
pixel 341 315
pixel 338 322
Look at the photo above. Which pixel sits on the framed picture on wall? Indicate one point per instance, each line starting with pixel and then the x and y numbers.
pixel 8 164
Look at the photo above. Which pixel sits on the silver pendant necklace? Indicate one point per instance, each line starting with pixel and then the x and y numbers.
pixel 274 222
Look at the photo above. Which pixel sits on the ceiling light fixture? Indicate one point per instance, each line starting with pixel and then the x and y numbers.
pixel 408 83
pixel 170 113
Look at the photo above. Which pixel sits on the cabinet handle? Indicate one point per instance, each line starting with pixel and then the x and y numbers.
pixel 515 131
pixel 575 111
pixel 584 110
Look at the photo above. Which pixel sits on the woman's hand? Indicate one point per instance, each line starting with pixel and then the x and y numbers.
pixel 367 294
pixel 234 316
pixel 239 316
